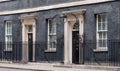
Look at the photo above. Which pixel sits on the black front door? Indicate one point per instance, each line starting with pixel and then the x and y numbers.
pixel 75 47
pixel 30 47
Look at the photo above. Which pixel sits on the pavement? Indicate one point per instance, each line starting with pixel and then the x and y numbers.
pixel 56 67
pixel 7 69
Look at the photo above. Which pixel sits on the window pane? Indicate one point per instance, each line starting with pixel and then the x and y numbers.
pixel 99 18
pixel 100 35
pixel 7 28
pixel 103 18
pixel 104 43
pixel 52 38
pixel 50 28
pixel 8 38
pixel 52 41
pixel 106 26
pixel 9 42
pixel 52 44
pixel 54 26
pixel 9 45
pixel 100 43
pixel 104 35
pixel 10 30
pixel 53 29
pixel 103 26
pixel 99 26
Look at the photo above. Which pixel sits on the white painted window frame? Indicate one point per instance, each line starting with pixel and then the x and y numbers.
pixel 98 48
pixel 8 34
pixel 51 49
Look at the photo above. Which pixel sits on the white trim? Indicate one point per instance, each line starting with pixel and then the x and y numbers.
pixel 50 49
pixel 66 40
pixel 78 11
pixel 55 6
pixel 100 50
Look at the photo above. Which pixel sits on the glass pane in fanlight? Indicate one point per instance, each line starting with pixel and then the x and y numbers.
pixel 76 25
pixel 30 28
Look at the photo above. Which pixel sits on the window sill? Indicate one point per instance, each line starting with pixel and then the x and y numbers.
pixel 101 50
pixel 51 50
pixel 8 50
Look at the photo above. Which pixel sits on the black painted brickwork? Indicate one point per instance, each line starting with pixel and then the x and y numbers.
pixel 111 9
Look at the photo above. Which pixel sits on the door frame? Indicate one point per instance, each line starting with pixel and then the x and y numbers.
pixel 68 27
pixel 27 20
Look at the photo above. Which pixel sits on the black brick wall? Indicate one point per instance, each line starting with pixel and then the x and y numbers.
pixel 111 8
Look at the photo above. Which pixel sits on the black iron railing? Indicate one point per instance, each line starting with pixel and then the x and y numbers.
pixel 38 53
pixel 8 54
pixel 94 55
